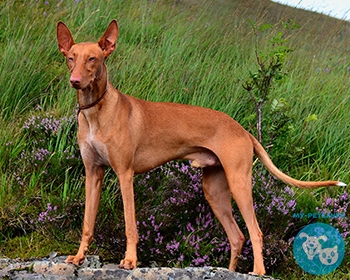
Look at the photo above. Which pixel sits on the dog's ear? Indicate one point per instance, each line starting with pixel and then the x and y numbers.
pixel 303 234
pixel 64 38
pixel 323 237
pixel 107 41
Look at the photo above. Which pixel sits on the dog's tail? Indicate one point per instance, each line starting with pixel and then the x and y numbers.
pixel 267 162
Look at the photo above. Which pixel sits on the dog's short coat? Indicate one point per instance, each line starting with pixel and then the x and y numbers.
pixel 134 136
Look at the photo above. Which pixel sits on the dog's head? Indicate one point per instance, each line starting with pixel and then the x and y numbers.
pixel 86 60
pixel 312 244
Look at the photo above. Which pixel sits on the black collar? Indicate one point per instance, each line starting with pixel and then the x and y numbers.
pixel 92 104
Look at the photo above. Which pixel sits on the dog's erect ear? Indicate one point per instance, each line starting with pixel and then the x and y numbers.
pixel 107 41
pixel 64 38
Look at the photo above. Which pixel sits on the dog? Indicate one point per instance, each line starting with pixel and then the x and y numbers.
pixel 312 245
pixel 134 136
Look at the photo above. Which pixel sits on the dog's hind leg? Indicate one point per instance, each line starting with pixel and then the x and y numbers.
pixel 239 181
pixel 218 195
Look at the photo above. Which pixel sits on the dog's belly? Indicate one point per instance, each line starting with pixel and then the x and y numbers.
pixel 198 157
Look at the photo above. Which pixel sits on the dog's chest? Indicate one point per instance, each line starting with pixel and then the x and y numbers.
pixel 92 148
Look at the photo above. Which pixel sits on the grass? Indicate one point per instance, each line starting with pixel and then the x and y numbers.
pixel 179 51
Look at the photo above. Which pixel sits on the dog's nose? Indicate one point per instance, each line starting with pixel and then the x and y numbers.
pixel 75 81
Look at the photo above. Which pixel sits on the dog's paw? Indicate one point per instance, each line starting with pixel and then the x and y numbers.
pixel 127 264
pixel 258 272
pixel 76 260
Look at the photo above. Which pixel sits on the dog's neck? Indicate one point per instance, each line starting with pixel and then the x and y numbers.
pixel 94 93
pixel 84 107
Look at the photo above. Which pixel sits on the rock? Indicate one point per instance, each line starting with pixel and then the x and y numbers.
pixel 51 268
pixel 56 269
pixel 4 262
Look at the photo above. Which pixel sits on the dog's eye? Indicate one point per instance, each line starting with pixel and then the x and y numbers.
pixel 92 58
pixel 70 59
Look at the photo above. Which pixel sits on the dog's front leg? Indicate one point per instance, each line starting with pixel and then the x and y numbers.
pixel 127 190
pixel 93 186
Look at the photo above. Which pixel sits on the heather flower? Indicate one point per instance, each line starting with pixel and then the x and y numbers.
pixel 47 125
pixel 172 246
pixel 45 151
pixel 200 260
pixel 189 227
pixel 328 201
pixel 41 154
pixel 291 204
pixel 46 215
pixel 335 210
pixel 177 227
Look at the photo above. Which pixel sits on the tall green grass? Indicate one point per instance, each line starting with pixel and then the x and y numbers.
pixel 180 51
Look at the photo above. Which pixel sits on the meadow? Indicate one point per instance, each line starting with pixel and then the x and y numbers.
pixel 194 52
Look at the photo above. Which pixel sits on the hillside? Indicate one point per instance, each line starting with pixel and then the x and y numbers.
pixel 189 51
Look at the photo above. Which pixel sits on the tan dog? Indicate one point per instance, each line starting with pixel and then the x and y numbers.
pixel 134 136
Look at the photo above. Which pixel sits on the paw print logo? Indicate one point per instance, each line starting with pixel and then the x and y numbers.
pixel 319 249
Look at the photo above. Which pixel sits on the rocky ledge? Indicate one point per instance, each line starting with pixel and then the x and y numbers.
pixel 55 268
